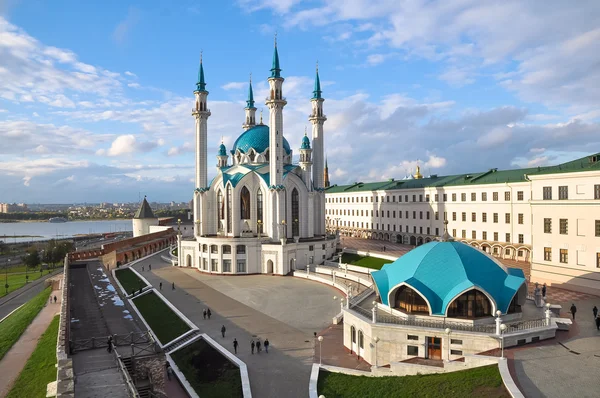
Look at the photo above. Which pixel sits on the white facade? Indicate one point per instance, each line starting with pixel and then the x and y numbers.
pixel 258 215
pixel 506 219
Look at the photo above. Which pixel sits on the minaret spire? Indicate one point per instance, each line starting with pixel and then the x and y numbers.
pixel 250 109
pixel 201 85
pixel 317 118
pixel 275 69
pixel 317 90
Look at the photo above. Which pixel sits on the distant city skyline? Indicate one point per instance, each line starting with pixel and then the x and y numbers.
pixel 95 102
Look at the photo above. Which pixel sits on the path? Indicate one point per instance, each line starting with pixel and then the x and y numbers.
pixel 13 362
pixel 285 371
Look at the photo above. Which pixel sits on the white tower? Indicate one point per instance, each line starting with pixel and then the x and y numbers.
pixel 276 102
pixel 250 109
pixel 222 156
pixel 201 114
pixel 317 118
pixel 306 162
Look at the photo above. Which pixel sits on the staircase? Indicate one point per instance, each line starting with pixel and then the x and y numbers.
pixel 195 334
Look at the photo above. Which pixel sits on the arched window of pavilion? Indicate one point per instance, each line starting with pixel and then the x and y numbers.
pixel 410 301
pixel 471 304
pixel 229 208
pixel 295 213
pixel 259 206
pixel 220 208
pixel 245 204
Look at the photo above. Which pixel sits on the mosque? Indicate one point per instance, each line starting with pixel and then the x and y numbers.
pixel 261 213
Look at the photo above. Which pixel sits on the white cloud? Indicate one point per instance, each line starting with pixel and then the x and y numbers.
pixel 234 85
pixel 124 27
pixel 130 74
pixel 133 85
pixel 128 144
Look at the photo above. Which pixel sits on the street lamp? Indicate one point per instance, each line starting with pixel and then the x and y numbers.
pixel 6 275
pixel 448 331
pixel 320 341
pixel 502 330
pixel 294 266
pixel 258 228
pixel 335 299
pixel 179 225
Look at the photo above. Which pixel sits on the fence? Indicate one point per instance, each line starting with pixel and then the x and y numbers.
pixel 143 341
pixel 525 325
pixel 363 295
pixel 386 318
pixel 364 312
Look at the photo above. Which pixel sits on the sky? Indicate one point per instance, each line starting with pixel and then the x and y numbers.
pixel 96 96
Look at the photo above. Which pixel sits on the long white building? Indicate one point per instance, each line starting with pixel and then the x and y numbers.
pixel 549 216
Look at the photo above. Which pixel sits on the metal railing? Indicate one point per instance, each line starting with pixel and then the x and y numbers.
pixel 137 339
pixel 364 312
pixel 133 392
pixel 363 295
pixel 386 318
pixel 525 325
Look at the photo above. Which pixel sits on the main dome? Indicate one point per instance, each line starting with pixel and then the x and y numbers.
pixel 256 138
pixel 441 271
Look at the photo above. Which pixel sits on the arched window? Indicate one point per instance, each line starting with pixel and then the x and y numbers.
pixel 295 213
pixel 471 304
pixel 220 206
pixel 226 249
pixel 410 301
pixel 353 333
pixel 259 206
pixel 229 208
pixel 251 155
pixel 245 204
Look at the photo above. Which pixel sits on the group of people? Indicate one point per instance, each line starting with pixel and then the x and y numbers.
pixel 55 298
pixel 258 345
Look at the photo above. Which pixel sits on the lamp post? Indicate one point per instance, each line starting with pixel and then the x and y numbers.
pixel 448 331
pixel 502 330
pixel 6 275
pixel 258 228
pixel 335 299
pixel 320 341
pixel 294 266
pixel 179 226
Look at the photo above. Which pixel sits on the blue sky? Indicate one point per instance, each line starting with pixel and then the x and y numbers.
pixel 95 97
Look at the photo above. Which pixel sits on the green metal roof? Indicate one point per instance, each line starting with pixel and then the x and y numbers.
pixel 201 85
pixel 250 100
pixel 492 176
pixel 275 69
pixel 257 138
pixel 317 91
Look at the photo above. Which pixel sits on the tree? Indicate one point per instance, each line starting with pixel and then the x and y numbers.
pixel 32 258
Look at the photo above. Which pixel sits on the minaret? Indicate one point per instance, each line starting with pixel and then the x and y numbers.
pixel 201 114
pixel 326 175
pixel 222 156
pixel 250 109
pixel 317 118
pixel 276 102
pixel 306 161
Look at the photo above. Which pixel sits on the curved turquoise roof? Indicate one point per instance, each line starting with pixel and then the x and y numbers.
pixel 305 143
pixel 256 137
pixel 222 150
pixel 440 271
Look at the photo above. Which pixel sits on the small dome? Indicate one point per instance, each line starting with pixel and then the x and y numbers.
pixel 256 138
pixel 222 150
pixel 441 271
pixel 305 142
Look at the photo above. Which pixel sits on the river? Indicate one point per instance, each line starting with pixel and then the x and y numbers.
pixel 48 230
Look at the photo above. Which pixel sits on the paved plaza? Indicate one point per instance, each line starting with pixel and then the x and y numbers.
pixel 285 310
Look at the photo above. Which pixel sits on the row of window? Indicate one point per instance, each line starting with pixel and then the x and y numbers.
pixel 225 249
pixel 563 192
pixel 444 197
pixel 214 265
pixel 484 236
pixel 563 256
pixel 563 226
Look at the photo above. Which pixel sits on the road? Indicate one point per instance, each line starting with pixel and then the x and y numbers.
pixel 15 299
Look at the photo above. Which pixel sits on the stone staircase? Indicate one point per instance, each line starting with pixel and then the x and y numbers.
pixel 98 375
pixel 195 334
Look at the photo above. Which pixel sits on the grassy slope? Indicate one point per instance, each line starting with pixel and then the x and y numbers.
pixel 16 281
pixel 40 367
pixel 368 262
pixel 210 373
pixel 14 326
pixel 477 382
pixel 129 280
pixel 166 324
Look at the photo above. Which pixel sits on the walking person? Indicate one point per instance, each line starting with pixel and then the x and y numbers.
pixel 252 346
pixel 598 322
pixel 142 268
pixel 544 291
pixel 160 286
pixel 595 311
pixel 573 310
pixel 235 346
pixel 208 313
pixel 169 370
pixel 173 286
pixel 109 344
pixel 266 344
pixel 149 267
pixel 204 313
pixel 54 299
pixel 223 331
pixel 258 346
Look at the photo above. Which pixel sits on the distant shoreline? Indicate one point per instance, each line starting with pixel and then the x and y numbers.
pixel 85 219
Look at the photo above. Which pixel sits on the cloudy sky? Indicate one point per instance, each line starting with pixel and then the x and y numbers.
pixel 95 96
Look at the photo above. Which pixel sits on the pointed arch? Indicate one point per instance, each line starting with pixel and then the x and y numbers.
pixel 245 203
pixel 220 208
pixel 229 208
pixel 259 207
pixel 295 213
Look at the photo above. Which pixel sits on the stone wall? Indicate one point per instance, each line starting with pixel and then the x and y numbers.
pixel 65 386
pixel 155 367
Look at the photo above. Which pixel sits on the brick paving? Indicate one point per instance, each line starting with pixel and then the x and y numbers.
pixel 334 353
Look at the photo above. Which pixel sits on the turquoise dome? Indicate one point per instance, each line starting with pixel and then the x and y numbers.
pixel 441 271
pixel 222 150
pixel 257 138
pixel 305 143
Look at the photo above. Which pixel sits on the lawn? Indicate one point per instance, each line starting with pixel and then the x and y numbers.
pixel 208 371
pixel 165 324
pixel 361 261
pixel 129 280
pixel 16 281
pixel 40 368
pixel 477 382
pixel 13 327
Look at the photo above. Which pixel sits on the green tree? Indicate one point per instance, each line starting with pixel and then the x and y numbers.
pixel 32 258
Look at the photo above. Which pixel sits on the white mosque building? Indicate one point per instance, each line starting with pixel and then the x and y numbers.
pixel 261 213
